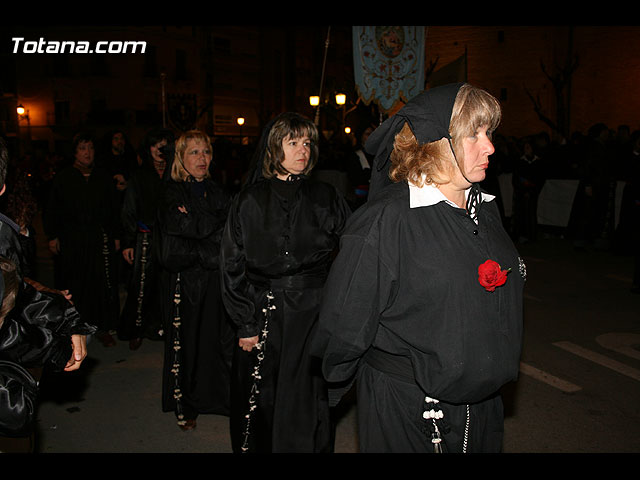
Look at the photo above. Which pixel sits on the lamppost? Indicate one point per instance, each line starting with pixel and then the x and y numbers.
pixel 23 114
pixel 341 100
pixel 314 101
pixel 240 121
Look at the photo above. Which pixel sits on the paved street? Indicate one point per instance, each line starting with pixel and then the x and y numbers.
pixel 579 389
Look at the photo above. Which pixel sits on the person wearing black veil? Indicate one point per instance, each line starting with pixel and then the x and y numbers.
pixel 191 214
pixel 140 317
pixel 278 243
pixel 423 304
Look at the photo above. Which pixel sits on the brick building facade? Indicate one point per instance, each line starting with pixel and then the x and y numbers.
pixel 222 72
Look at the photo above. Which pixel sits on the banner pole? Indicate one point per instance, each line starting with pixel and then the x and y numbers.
pixel 324 63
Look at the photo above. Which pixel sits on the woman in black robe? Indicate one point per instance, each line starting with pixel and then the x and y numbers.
pixel 419 308
pixel 81 221
pixel 191 216
pixel 141 316
pixel 278 243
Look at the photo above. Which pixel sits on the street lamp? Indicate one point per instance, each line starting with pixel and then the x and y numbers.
pixel 23 114
pixel 341 100
pixel 240 121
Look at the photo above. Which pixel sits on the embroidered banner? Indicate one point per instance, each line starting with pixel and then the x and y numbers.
pixel 388 63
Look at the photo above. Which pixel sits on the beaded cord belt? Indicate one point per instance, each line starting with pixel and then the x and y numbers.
pixel 144 258
pixel 255 390
pixel 430 412
pixel 175 368
pixel 106 251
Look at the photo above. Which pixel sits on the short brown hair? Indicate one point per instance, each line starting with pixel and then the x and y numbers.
pixel 434 163
pixel 288 125
pixel 178 172
pixel 420 163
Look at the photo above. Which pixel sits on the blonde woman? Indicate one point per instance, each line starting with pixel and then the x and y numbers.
pixel 191 215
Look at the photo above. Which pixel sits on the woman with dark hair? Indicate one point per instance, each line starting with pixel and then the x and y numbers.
pixel 81 221
pixel 191 215
pixel 280 237
pixel 423 305
pixel 140 316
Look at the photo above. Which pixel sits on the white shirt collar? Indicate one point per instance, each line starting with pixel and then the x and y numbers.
pixel 428 195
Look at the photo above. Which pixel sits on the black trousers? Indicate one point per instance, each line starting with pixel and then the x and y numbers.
pixel 390 418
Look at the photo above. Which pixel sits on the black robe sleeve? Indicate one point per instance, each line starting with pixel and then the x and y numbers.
pixel 235 287
pixel 190 239
pixel 140 204
pixel 358 288
pixel 37 332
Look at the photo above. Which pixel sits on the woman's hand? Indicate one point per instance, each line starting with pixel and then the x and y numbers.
pixel 79 344
pixel 248 343
pixel 54 246
pixel 127 253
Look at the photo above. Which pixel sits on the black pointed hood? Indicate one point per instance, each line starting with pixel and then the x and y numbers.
pixel 428 114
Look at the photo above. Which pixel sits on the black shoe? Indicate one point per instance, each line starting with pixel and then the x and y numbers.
pixel 106 339
pixel 187 425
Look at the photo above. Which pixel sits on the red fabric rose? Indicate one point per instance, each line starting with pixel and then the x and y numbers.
pixel 491 276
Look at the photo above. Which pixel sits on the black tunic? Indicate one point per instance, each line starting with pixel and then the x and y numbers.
pixel 141 316
pixel 83 214
pixel 198 333
pixel 280 237
pixel 404 311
